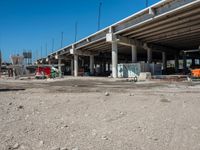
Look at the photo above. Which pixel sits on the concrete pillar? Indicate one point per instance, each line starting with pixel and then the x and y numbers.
pixel 91 64
pixel 75 65
pixel 72 67
pixel 114 60
pixel 134 53
pixel 149 55
pixel 59 67
pixel 176 63
pixel 184 63
pixel 82 62
pixel 193 61
pixel 164 61
pixel 104 67
pixel 101 68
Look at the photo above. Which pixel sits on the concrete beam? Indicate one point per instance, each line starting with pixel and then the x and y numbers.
pixel 159 48
pixel 82 53
pixel 130 42
pixel 127 41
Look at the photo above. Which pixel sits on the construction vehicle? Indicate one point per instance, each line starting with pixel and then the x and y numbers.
pixel 194 74
pixel 44 72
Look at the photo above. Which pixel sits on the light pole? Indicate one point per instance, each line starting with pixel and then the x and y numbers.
pixel 75 34
pixel 61 39
pixel 147 3
pixel 99 17
pixel 52 45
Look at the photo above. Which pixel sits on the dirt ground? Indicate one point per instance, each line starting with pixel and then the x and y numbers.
pixel 99 114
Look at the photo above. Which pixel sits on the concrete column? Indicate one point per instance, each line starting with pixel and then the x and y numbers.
pixel 149 55
pixel 82 62
pixel 72 67
pixel 104 67
pixel 75 65
pixel 184 62
pixel 176 63
pixel 59 67
pixel 91 64
pixel 193 61
pixel 101 68
pixel 114 60
pixel 108 66
pixel 164 61
pixel 134 53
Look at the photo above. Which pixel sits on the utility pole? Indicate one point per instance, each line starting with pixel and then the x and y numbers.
pixel 147 3
pixel 76 28
pixel 46 49
pixel 99 17
pixel 0 62
pixel 41 51
pixel 61 39
pixel 36 54
pixel 52 45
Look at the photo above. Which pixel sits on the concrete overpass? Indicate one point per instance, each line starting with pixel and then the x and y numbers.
pixel 160 31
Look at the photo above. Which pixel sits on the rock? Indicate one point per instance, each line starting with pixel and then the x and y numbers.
pixel 41 143
pixel 86 115
pixel 155 139
pixel 107 94
pixel 20 107
pixel 122 113
pixel 64 148
pixel 165 100
pixel 16 146
pixel 65 126
pixel 104 137
pixel 56 148
pixel 10 103
pixel 94 132
pixel 131 94
pixel 75 148
pixel 194 128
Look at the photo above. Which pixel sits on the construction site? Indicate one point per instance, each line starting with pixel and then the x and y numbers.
pixel 133 85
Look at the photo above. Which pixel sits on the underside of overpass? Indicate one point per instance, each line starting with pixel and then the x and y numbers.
pixel 164 31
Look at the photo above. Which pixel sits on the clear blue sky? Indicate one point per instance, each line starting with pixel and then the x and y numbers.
pixel 30 24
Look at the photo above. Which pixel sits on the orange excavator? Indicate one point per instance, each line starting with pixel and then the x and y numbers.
pixel 194 69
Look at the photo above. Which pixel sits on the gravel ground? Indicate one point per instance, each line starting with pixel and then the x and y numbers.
pixel 99 114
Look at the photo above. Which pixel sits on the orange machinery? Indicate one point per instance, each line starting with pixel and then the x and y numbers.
pixel 195 73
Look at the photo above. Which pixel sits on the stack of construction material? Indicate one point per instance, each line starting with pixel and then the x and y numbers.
pixel 132 70
pixel 155 69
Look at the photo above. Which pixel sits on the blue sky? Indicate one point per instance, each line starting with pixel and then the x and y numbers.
pixel 30 24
